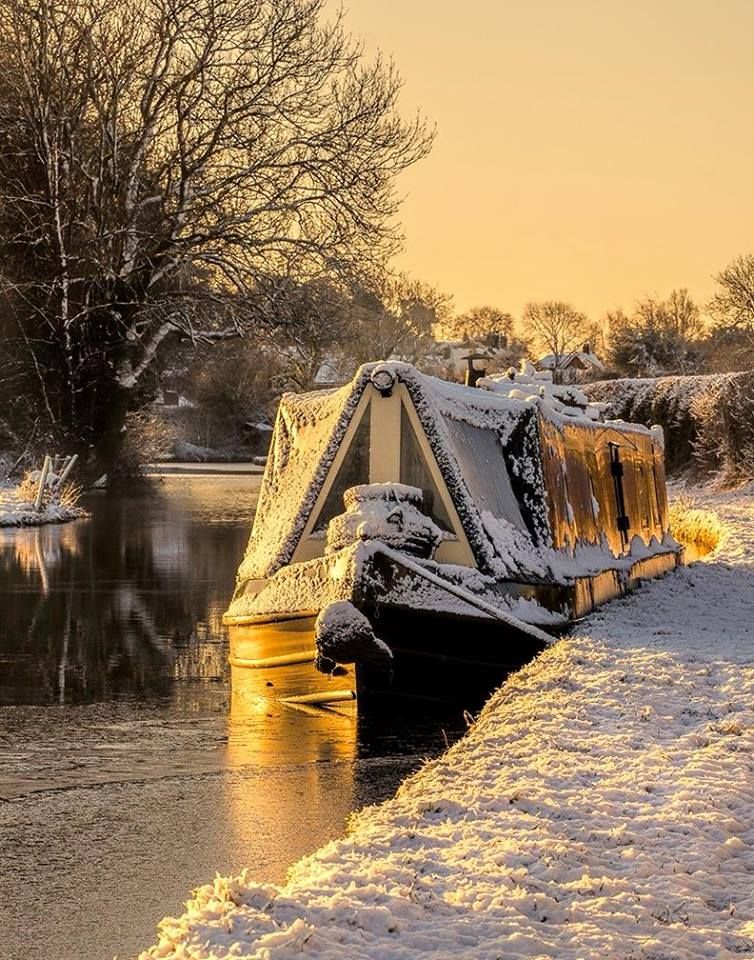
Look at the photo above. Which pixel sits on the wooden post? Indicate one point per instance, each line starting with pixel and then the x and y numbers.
pixel 67 470
pixel 42 482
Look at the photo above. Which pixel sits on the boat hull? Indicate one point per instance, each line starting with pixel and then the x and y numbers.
pixel 435 657
pixel 442 650
pixel 277 660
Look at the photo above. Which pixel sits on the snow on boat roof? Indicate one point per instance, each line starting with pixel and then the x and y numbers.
pixel 308 431
pixel 560 403
pixel 310 428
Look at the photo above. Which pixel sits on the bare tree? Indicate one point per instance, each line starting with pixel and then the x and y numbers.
pixel 317 321
pixel 661 336
pixel 395 317
pixel 478 323
pixel 555 326
pixel 677 317
pixel 683 316
pixel 733 305
pixel 313 323
pixel 161 157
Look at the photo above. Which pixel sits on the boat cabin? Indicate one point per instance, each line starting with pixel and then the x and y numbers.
pixel 402 492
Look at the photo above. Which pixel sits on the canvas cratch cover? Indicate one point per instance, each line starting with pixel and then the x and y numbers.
pixel 308 431
pixel 485 447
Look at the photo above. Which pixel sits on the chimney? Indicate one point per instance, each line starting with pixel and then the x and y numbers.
pixel 477 368
pixel 587 348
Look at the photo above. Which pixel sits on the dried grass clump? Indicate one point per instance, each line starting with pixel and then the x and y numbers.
pixel 67 496
pixel 697 529
pixel 70 494
pixel 27 488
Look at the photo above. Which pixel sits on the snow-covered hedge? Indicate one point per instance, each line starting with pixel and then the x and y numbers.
pixel 708 420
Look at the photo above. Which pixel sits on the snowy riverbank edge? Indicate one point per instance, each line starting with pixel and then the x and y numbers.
pixel 19 513
pixel 601 806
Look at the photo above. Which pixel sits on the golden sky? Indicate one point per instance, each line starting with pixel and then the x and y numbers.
pixel 587 151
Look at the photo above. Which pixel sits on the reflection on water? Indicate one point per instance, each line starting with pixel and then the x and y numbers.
pixel 125 603
pixel 322 743
pixel 131 772
pixel 261 731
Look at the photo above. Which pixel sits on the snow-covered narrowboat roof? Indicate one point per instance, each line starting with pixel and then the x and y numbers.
pixel 310 428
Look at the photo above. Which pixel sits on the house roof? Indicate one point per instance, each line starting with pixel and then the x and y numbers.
pixel 550 360
pixel 332 372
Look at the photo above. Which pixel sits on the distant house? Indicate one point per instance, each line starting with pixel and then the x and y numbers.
pixel 455 353
pixel 257 434
pixel 168 397
pixel 578 365
pixel 448 358
pixel 333 372
pixel 170 388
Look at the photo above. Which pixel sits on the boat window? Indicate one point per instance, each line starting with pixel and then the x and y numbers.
pixel 415 471
pixel 353 470
pixel 480 456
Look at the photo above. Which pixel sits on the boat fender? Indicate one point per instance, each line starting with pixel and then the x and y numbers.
pixel 344 635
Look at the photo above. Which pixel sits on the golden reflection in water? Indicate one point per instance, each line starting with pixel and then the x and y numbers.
pixel 320 741
pixel 128 602
pixel 264 731
pixel 39 551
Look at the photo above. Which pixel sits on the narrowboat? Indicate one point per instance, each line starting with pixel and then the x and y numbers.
pixel 409 528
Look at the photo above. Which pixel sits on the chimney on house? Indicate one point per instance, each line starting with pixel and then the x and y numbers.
pixel 477 368
pixel 587 348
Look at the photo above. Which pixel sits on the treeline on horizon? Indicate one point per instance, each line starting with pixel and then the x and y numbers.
pixel 655 337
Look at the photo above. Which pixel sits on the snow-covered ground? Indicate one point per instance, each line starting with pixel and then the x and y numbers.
pixel 602 806
pixel 16 512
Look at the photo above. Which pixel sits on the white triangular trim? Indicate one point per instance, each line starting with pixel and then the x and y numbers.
pixel 454 550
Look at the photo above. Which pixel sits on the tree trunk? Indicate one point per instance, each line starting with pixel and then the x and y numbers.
pixel 110 434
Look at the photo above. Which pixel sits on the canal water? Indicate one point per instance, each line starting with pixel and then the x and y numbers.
pixel 129 771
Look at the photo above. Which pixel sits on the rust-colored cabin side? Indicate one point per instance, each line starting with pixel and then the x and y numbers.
pixel 602 482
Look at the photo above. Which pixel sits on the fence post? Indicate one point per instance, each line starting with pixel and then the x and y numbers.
pixel 42 482
pixel 67 471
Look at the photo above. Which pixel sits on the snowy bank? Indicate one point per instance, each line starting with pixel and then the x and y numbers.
pixel 17 512
pixel 601 807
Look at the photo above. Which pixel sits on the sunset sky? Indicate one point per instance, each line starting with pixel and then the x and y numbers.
pixel 587 151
